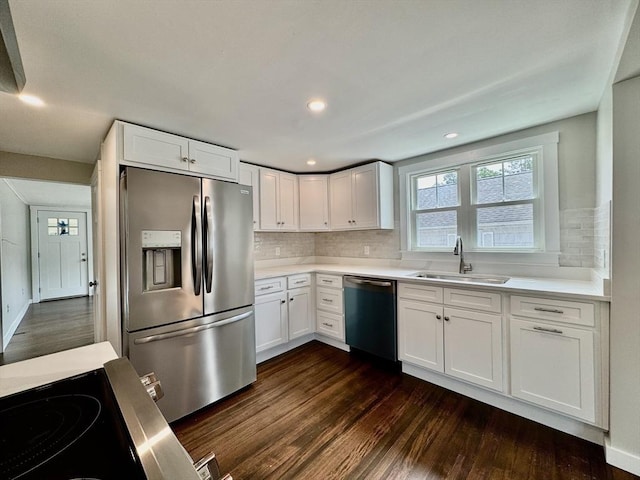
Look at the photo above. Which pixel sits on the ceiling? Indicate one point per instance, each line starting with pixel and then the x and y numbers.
pixel 51 194
pixel 396 74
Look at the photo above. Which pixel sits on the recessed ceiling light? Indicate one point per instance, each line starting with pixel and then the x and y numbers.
pixel 316 105
pixel 451 135
pixel 31 100
pixel 311 162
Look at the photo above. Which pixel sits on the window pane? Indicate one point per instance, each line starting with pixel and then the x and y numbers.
pixel 518 179
pixel 508 226
pixel 437 191
pixel 436 229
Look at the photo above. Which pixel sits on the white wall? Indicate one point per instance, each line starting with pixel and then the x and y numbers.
pixel 15 268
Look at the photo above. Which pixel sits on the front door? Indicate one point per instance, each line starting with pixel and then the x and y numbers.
pixel 62 254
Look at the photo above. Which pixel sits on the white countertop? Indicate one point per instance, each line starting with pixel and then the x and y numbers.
pixel 586 290
pixel 27 374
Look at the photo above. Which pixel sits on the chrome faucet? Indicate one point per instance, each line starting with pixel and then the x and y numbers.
pixel 464 267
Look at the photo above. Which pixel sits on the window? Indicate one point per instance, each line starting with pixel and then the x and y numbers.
pixel 500 199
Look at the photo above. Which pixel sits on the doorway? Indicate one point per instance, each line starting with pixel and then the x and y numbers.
pixel 44 310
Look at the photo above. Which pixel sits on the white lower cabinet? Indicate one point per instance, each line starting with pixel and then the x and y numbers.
pixel 553 366
pixel 271 320
pixel 330 306
pixel 473 347
pixel 421 334
pixel 465 344
pixel 299 312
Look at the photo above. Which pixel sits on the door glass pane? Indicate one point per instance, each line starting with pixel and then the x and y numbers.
pixel 508 226
pixel 436 229
pixel 73 222
pixel 437 191
pixel 73 230
pixel 52 231
pixel 52 222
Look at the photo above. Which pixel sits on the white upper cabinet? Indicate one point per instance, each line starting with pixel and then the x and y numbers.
pixel 165 151
pixel 314 202
pixel 362 197
pixel 250 175
pixel 278 200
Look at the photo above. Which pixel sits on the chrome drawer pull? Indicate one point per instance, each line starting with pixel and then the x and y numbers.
pixel 266 288
pixel 324 280
pixel 327 300
pixel 298 282
pixel 548 330
pixel 327 324
pixel 549 310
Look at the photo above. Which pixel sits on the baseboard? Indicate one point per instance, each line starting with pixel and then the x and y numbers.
pixel 284 348
pixel 333 342
pixel 559 422
pixel 621 459
pixel 8 335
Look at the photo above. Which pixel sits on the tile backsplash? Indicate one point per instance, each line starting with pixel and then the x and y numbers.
pixel 584 241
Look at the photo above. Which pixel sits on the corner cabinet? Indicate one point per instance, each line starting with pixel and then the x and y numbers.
pixel 362 197
pixel 278 201
pixel 314 202
pixel 164 151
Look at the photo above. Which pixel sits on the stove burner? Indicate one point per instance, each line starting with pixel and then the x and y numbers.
pixel 35 432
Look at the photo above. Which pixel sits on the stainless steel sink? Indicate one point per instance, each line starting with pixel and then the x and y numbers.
pixel 491 279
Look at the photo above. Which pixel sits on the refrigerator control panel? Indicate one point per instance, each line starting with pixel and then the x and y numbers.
pixel 161 238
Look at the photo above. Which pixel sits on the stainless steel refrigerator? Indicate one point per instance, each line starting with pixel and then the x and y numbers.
pixel 187 281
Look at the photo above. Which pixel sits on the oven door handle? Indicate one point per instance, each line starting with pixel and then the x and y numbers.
pixel 189 331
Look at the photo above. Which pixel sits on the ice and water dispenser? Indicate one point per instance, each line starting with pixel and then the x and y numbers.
pixel 162 253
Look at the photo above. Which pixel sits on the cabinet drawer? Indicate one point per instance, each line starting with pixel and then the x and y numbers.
pixel 485 301
pixel 330 300
pixel 330 324
pixel 557 310
pixel 323 280
pixel 270 285
pixel 424 293
pixel 298 281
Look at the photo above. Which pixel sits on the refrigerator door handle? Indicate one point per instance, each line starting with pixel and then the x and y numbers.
pixel 188 331
pixel 196 245
pixel 208 245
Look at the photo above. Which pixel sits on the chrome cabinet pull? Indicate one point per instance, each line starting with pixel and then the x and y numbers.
pixel 299 282
pixel 324 280
pixel 327 324
pixel 192 160
pixel 548 330
pixel 438 317
pixel 266 288
pixel 548 310
pixel 327 300
pixel 185 159
pixel 446 319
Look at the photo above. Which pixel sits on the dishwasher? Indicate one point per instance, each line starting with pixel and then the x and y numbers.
pixel 370 315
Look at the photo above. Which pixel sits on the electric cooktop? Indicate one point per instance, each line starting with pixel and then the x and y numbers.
pixel 66 430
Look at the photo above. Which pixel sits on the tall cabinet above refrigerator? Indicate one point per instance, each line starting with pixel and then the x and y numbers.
pixel 187 285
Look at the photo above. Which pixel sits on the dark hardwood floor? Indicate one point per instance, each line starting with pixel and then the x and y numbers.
pixel 50 327
pixel 320 413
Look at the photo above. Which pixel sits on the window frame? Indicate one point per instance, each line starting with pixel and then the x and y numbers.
pixel 547 219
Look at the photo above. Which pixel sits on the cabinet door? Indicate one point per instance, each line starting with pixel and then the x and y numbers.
pixel 314 202
pixel 271 321
pixel 553 366
pixel 421 334
pixel 269 200
pixel 473 347
pixel 288 201
pixel 340 200
pixel 365 196
pixel 250 175
pixel 143 145
pixel 299 312
pixel 213 161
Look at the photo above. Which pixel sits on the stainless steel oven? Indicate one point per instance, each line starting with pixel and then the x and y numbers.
pixel 101 425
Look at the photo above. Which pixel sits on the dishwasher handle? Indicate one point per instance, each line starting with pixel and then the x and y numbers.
pixel 366 281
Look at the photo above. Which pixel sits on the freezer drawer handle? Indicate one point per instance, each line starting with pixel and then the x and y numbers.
pixel 549 310
pixel 369 282
pixel 548 330
pixel 189 331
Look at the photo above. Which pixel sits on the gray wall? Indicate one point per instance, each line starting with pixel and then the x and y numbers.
pixel 15 259
pixel 17 165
